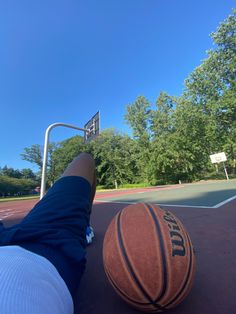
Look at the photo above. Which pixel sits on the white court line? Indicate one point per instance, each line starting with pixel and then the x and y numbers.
pixel 225 202
pixel 191 206
pixel 7 215
pixel 173 205
pixel 5 210
pixel 169 205
pixel 116 202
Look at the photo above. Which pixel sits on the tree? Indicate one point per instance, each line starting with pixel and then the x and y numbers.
pixel 163 153
pixel 212 88
pixel 27 173
pixel 34 154
pixel 191 140
pixel 66 151
pixel 115 158
pixel 216 75
pixel 11 172
pixel 14 186
pixel 162 117
pixel 138 117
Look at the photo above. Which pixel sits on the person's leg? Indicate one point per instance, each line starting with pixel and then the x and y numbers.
pixel 82 166
pixel 56 227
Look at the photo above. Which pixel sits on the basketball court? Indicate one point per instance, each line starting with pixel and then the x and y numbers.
pixel 208 211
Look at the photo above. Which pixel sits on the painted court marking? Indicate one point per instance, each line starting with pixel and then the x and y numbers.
pixel 225 202
pixel 102 198
pixel 5 215
pixel 169 205
pixel 114 197
pixel 172 205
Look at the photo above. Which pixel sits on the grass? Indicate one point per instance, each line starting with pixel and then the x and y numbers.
pixel 135 185
pixel 217 176
pixel 18 198
pixel 123 186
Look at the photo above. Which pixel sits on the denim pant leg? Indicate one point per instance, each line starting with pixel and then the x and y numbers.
pixel 56 228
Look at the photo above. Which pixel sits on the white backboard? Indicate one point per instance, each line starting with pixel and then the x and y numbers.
pixel 217 158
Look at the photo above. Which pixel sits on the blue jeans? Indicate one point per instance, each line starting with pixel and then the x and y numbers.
pixel 56 228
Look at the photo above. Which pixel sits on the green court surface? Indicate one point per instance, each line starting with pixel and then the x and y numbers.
pixel 210 194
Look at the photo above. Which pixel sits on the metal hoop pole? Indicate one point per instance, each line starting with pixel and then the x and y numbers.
pixel 226 173
pixel 45 152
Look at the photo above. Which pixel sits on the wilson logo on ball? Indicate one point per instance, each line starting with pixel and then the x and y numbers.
pixel 178 247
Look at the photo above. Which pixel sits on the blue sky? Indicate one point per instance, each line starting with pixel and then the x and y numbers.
pixel 62 61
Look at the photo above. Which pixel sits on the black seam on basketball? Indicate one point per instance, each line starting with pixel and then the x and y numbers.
pixel 163 256
pixel 122 292
pixel 187 277
pixel 130 269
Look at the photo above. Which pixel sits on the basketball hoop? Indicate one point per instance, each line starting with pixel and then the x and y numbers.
pixel 92 128
pixel 218 158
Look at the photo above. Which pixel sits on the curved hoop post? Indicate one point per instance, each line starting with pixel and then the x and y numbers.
pixel 45 151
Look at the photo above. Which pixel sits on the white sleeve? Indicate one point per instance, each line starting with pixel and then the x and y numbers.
pixel 30 284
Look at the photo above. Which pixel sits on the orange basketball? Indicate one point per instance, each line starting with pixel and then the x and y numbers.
pixel 148 257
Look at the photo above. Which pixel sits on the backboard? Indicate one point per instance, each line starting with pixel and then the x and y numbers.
pixel 93 127
pixel 217 158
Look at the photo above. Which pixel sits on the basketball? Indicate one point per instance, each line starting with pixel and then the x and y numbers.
pixel 148 257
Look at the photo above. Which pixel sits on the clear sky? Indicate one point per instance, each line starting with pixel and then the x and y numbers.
pixel 63 60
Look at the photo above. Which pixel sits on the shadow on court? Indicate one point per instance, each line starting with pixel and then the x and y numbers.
pixel 178 197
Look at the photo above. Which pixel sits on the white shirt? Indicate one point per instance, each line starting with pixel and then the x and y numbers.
pixel 30 284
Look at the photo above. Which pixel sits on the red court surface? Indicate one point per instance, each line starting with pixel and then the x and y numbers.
pixel 213 233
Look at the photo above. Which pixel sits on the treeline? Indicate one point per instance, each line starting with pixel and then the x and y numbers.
pixel 17 182
pixel 173 137
pixel 15 187
pixel 114 153
pixel 26 173
pixel 178 135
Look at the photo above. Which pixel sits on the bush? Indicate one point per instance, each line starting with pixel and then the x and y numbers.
pixel 12 186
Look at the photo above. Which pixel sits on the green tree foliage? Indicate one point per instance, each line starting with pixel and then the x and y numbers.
pixel 181 132
pixel 14 186
pixel 191 142
pixel 66 151
pixel 27 173
pixel 162 116
pixel 115 156
pixel 138 118
pixel 162 153
pixel 212 88
pixel 216 75
pixel 34 155
pixel 10 172
pixel 16 173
